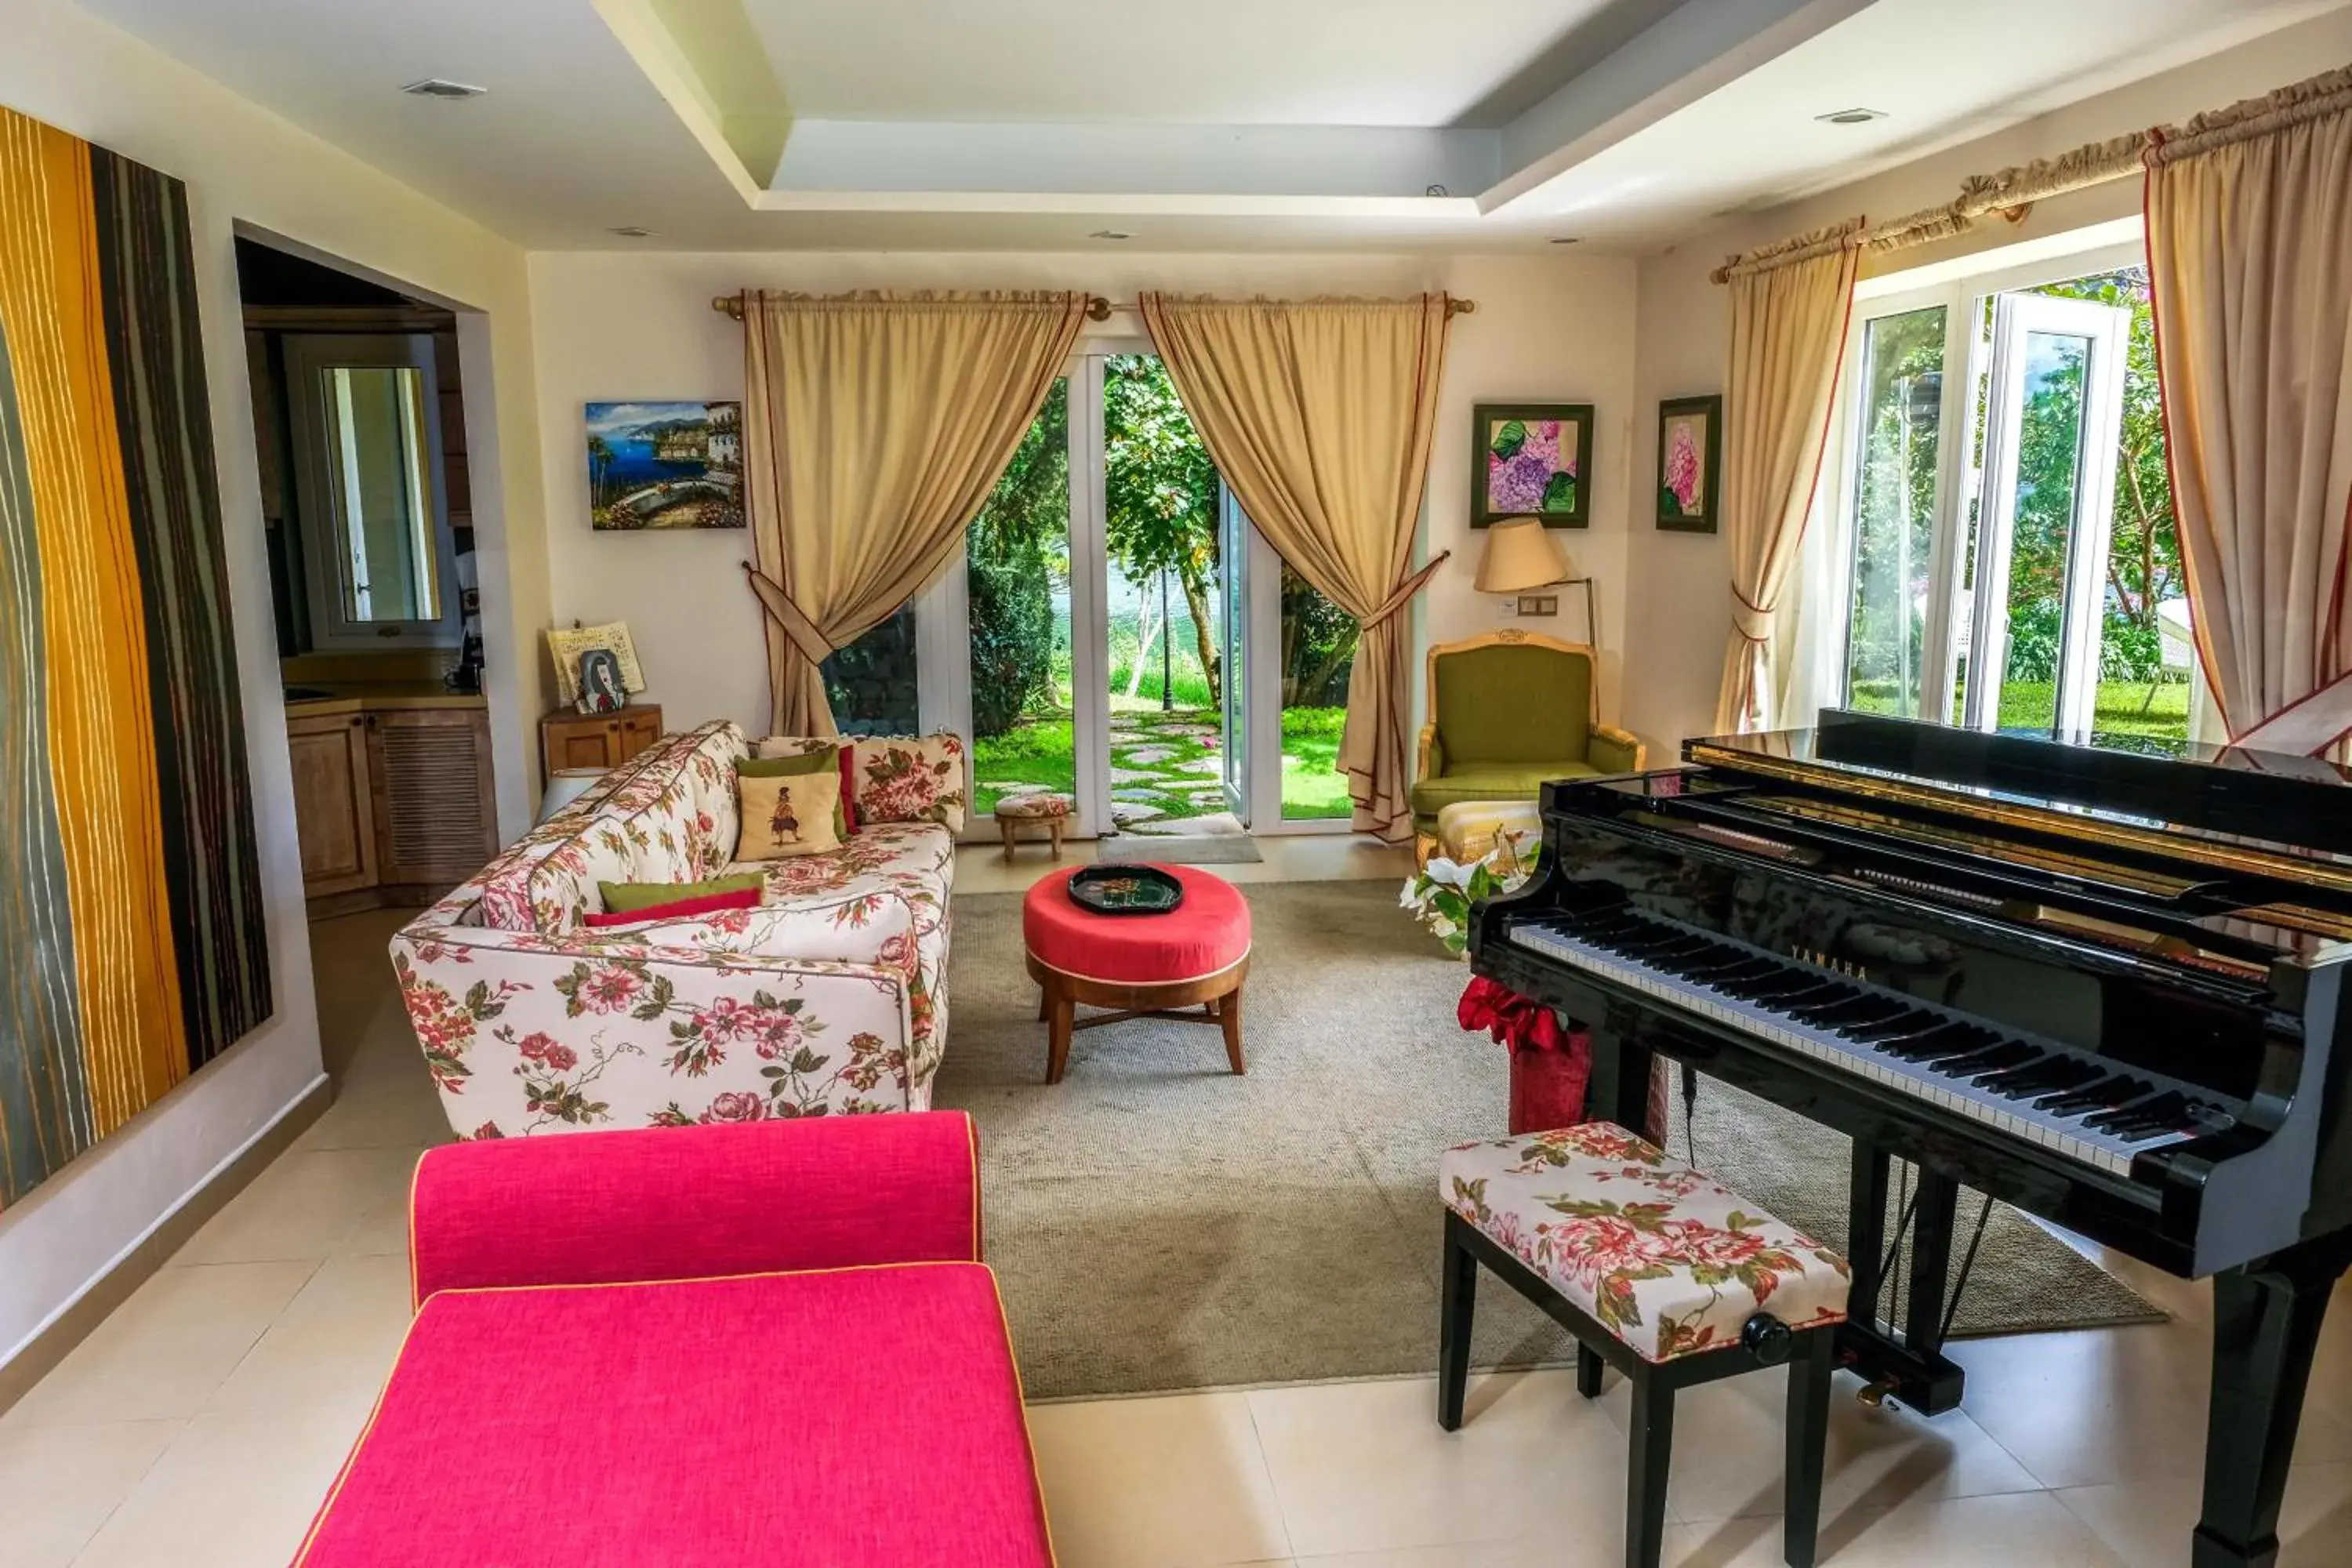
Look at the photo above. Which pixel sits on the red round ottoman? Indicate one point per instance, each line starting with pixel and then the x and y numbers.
pixel 1139 966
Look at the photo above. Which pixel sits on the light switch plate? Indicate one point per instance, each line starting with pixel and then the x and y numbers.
pixel 1539 604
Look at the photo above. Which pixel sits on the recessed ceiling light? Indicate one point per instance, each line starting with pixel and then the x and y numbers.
pixel 1110 234
pixel 442 86
pixel 1851 116
pixel 631 231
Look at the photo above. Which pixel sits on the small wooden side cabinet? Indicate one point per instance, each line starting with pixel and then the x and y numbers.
pixel 570 739
pixel 394 804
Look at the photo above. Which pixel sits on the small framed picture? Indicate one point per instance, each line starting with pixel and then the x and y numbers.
pixel 1532 459
pixel 567 646
pixel 1690 462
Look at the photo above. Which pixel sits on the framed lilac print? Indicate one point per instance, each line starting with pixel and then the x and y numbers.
pixel 1532 459
pixel 1690 462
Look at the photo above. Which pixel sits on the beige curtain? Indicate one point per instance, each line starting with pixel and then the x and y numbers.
pixel 2249 255
pixel 1789 312
pixel 1319 416
pixel 874 426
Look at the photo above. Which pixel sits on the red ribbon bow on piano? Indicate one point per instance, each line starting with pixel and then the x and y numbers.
pixel 1551 1064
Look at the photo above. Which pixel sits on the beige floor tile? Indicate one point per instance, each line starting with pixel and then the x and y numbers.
pixel 2018 1530
pixel 231 1492
pixel 165 1351
pixel 306 1205
pixel 2148 1522
pixel 2108 1405
pixel 333 1345
pixel 1729 1451
pixel 1361 1466
pixel 383 1103
pixel 1174 1482
pixel 58 1484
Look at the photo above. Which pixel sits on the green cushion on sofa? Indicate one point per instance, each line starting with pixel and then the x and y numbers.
pixel 1492 781
pixel 623 898
pixel 1512 703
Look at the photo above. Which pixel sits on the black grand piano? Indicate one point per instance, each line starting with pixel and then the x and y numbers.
pixel 2100 979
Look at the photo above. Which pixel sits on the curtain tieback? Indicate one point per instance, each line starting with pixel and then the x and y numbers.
pixel 1405 590
pixel 2306 726
pixel 797 626
pixel 1751 622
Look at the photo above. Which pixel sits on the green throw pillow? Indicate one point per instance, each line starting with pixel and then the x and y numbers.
pixel 825 761
pixel 626 898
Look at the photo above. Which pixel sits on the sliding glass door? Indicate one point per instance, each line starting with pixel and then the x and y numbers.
pixel 2000 532
pixel 1110 632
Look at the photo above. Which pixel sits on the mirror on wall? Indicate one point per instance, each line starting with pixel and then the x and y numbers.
pixel 375 524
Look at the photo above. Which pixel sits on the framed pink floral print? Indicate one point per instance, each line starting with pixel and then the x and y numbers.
pixel 1532 459
pixel 1690 462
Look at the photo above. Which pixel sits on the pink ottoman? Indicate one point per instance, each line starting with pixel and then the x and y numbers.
pixel 1139 966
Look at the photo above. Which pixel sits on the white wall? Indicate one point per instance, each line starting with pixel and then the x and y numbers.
pixel 1679 589
pixel 635 326
pixel 241 164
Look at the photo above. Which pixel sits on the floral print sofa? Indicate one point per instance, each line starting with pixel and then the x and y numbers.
pixel 828 997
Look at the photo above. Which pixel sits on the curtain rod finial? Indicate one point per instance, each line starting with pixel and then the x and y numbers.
pixel 1461 307
pixel 728 305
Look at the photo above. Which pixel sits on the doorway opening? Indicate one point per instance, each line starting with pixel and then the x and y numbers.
pixel 359 407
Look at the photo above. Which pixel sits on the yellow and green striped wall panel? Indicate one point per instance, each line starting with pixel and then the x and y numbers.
pixel 132 943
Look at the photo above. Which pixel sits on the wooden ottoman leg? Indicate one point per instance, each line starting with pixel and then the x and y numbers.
pixel 1045 1003
pixel 1229 1014
pixel 1053 825
pixel 1004 826
pixel 1059 1023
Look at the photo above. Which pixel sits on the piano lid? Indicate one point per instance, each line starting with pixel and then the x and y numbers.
pixel 2253 811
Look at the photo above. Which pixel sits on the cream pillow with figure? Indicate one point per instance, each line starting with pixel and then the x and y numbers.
pixel 786 816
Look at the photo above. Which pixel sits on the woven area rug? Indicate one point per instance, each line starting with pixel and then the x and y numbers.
pixel 1159 1224
pixel 1218 849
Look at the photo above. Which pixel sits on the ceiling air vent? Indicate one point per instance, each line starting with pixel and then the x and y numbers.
pixel 442 86
pixel 1851 116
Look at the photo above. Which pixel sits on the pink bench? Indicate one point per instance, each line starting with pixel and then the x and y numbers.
pixel 706 1348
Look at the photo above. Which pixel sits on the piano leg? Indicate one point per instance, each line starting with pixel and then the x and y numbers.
pixel 2266 1319
pixel 1621 1078
pixel 1865 1230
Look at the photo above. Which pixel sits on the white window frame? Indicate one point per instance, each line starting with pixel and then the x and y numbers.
pixel 1961 288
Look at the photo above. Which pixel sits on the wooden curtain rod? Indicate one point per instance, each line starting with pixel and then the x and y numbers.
pixel 1098 307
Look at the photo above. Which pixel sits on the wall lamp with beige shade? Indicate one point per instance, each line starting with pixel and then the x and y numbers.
pixel 1523 555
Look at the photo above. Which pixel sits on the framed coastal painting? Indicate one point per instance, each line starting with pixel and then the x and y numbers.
pixel 1690 462
pixel 1532 459
pixel 664 466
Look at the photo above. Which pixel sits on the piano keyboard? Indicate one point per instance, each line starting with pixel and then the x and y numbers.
pixel 2072 1103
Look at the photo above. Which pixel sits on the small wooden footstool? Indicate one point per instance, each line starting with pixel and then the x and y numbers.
pixel 1141 966
pixel 1660 1271
pixel 1052 810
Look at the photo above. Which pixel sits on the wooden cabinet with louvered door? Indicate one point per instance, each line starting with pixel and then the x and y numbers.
pixel 334 802
pixel 437 815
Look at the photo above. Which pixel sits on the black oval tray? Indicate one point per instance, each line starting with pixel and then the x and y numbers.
pixel 1126 890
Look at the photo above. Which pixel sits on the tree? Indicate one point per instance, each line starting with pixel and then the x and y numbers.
pixel 1013 549
pixel 1159 491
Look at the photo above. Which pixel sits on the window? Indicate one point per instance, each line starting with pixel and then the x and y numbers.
pixel 2006 555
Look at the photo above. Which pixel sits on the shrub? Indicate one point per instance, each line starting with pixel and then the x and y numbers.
pixel 1012 642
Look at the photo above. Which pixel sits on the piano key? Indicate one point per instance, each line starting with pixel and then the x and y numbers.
pixel 1813 1008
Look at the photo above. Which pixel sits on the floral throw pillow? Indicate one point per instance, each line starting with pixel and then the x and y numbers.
pixel 905 779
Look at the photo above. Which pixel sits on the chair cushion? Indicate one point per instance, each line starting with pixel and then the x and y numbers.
pixel 859 1418
pixel 1207 933
pixel 1512 702
pixel 1664 1256
pixel 1492 781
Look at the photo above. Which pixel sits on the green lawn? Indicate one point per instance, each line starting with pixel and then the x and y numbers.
pixel 1168 777
pixel 2125 707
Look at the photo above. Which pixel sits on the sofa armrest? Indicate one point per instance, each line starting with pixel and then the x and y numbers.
pixel 1615 751
pixel 695 1203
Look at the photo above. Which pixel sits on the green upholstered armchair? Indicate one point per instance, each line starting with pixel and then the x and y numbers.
pixel 1507 711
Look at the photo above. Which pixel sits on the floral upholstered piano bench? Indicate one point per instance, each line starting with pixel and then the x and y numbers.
pixel 1660 1271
